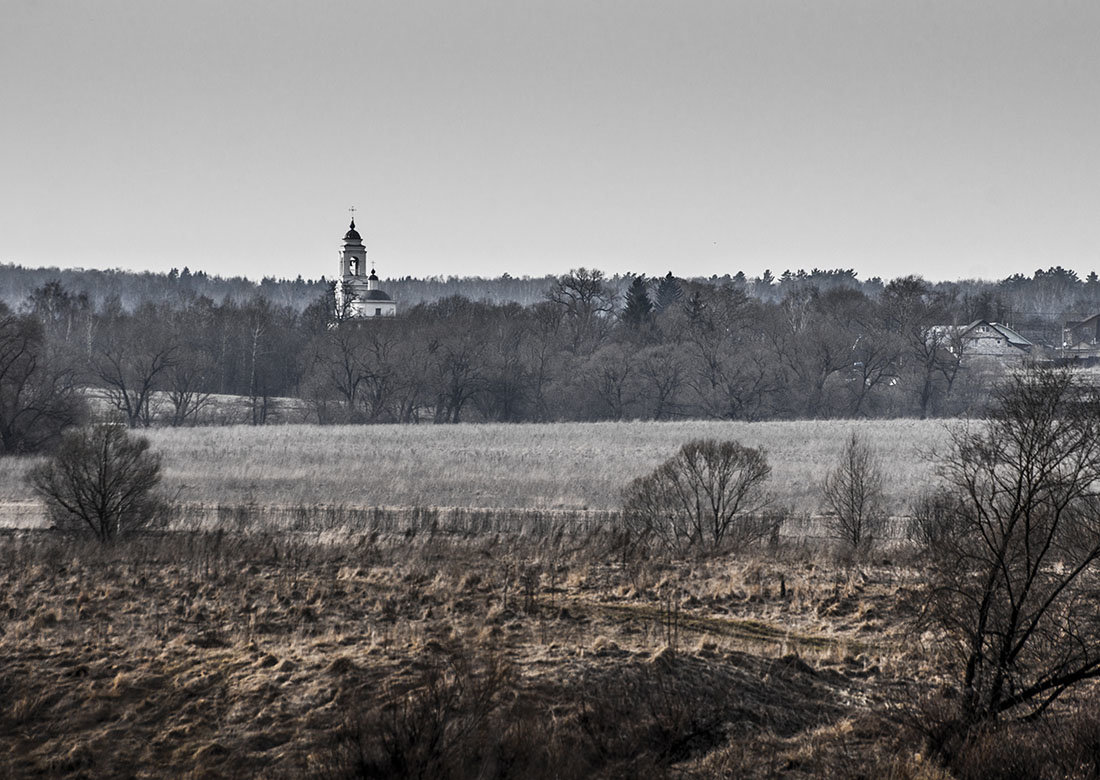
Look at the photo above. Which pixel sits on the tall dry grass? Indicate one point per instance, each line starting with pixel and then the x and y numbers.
pixel 267 655
pixel 567 466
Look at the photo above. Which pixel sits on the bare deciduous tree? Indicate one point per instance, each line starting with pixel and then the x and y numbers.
pixel 587 304
pixel 186 379
pixel 132 363
pixel 37 399
pixel 1015 572
pixel 102 480
pixel 609 372
pixel 662 371
pixel 853 496
pixel 708 492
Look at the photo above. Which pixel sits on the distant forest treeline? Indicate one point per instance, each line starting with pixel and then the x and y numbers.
pixel 1030 303
pixel 131 289
pixel 159 347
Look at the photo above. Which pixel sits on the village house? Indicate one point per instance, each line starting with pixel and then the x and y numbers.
pixel 1082 339
pixel 982 338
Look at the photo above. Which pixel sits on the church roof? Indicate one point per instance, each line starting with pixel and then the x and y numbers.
pixel 352 234
pixel 375 295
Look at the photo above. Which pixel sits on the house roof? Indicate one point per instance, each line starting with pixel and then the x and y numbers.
pixel 1011 336
pixel 1087 321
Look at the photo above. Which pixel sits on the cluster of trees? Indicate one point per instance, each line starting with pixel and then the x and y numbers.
pixel 667 348
pixel 816 344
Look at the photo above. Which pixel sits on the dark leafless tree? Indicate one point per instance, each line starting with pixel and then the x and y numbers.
pixel 101 481
pixel 456 372
pixel 876 357
pixel 338 369
pixel 661 369
pixel 132 364
pixel 185 383
pixel 609 374
pixel 813 341
pixel 853 496
pixel 37 399
pixel 587 303
pixel 931 351
pixel 1015 566
pixel 709 491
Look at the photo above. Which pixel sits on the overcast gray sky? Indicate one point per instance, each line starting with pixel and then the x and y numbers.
pixel 951 138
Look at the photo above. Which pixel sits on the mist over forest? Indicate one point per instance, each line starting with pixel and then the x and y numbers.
pixel 1025 301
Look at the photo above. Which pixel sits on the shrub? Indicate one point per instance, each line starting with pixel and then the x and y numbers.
pixel 935 519
pixel 472 716
pixel 102 481
pixel 442 728
pixel 853 496
pixel 710 491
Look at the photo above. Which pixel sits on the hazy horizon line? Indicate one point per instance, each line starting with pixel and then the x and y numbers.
pixel 551 274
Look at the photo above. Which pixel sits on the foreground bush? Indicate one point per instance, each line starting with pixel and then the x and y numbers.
pixel 102 481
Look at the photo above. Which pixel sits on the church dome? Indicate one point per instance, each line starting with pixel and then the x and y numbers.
pixel 352 234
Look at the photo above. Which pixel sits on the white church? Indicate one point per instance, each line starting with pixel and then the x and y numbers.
pixel 357 293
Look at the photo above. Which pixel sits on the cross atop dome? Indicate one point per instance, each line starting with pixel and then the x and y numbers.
pixel 352 234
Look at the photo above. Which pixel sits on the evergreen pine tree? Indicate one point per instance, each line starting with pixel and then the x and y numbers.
pixel 668 292
pixel 639 309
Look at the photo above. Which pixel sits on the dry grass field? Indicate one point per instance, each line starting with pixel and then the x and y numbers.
pixel 259 656
pixel 214 655
pixel 571 466
pixel 337 647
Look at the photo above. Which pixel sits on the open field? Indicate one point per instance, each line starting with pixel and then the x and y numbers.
pixel 567 650
pixel 570 466
pixel 217 656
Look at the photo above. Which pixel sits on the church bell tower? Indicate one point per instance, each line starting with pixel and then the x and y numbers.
pixel 353 257
pixel 357 292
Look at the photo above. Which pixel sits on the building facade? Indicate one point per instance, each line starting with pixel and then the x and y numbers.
pixel 1082 339
pixel 982 338
pixel 357 292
